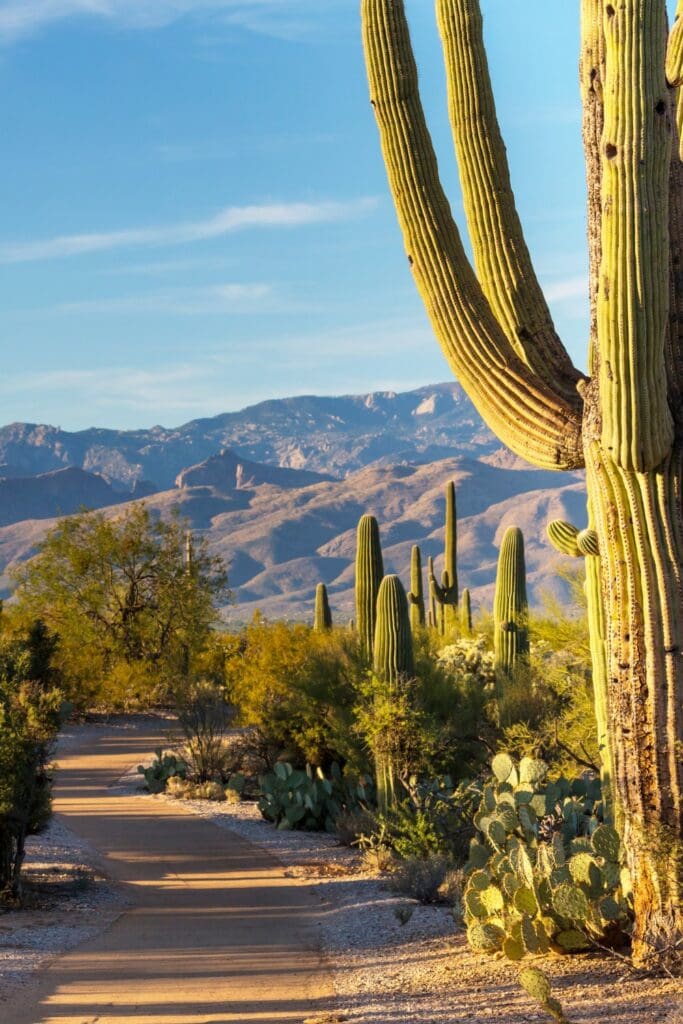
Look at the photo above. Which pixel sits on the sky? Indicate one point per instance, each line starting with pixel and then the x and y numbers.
pixel 195 213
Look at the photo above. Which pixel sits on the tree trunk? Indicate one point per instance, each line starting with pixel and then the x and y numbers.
pixel 640 530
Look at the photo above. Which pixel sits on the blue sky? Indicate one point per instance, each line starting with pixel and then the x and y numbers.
pixel 195 211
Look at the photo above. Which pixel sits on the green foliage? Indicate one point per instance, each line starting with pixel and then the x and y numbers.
pixel 543 871
pixel 163 767
pixel 433 819
pixel 31 709
pixel 296 799
pixel 204 717
pixel 129 610
pixel 296 688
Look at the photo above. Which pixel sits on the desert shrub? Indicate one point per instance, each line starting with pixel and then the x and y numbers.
pixel 204 717
pixel 433 819
pixel 163 768
pixel 351 825
pixel 296 689
pixel 544 871
pixel 31 709
pixel 420 878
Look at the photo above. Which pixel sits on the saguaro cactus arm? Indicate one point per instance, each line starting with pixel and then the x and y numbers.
pixel 501 256
pixel 532 418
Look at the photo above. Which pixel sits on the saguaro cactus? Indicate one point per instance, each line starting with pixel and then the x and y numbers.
pixel 575 543
pixel 369 573
pixel 323 615
pixel 466 613
pixel 624 423
pixel 393 647
pixel 416 594
pixel 446 594
pixel 393 666
pixel 510 605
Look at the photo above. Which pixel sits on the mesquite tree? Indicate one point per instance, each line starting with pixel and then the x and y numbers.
pixel 624 421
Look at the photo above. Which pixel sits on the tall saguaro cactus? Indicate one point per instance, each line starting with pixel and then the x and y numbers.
pixel 466 613
pixel 416 594
pixel 624 423
pixel 446 593
pixel 323 616
pixel 369 573
pixel 510 605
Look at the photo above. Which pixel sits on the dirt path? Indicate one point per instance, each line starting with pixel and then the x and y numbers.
pixel 216 931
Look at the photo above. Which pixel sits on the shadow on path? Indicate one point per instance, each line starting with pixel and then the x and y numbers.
pixel 215 932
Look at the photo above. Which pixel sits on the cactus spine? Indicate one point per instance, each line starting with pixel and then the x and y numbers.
pixel 510 606
pixel 568 540
pixel 393 666
pixel 446 594
pixel 466 613
pixel 323 615
pixel 416 594
pixel 369 573
pixel 625 423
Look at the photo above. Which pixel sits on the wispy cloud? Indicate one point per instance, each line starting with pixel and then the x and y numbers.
pixel 284 18
pixel 567 289
pixel 225 222
pixel 223 299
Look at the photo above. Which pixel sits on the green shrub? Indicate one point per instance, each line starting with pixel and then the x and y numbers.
pixel 296 689
pixel 543 870
pixel 420 879
pixel 163 768
pixel 32 708
pixel 204 716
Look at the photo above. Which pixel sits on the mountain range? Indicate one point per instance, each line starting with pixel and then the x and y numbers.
pixel 278 489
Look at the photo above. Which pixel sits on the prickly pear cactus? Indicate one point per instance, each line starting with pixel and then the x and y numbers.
pixel 544 871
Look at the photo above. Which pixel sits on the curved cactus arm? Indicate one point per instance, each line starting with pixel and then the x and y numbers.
pixel 530 417
pixel 563 537
pixel 633 299
pixel 501 256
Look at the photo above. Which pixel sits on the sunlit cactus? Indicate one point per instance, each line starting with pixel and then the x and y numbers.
pixel 510 605
pixel 416 593
pixel 323 616
pixel 369 573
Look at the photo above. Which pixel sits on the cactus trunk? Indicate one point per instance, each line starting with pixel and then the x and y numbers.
pixel 369 573
pixel 393 666
pixel 323 615
pixel 625 424
pixel 466 613
pixel 510 606
pixel 446 594
pixel 416 595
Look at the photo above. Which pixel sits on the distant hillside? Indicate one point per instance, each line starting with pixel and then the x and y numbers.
pixel 325 435
pixel 53 494
pixel 282 540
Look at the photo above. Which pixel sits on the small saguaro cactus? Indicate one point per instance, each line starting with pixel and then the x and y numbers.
pixel 446 593
pixel 393 667
pixel 393 646
pixel 416 593
pixel 466 613
pixel 569 540
pixel 510 605
pixel 323 615
pixel 369 573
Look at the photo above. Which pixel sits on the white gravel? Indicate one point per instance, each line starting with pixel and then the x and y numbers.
pixel 67 899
